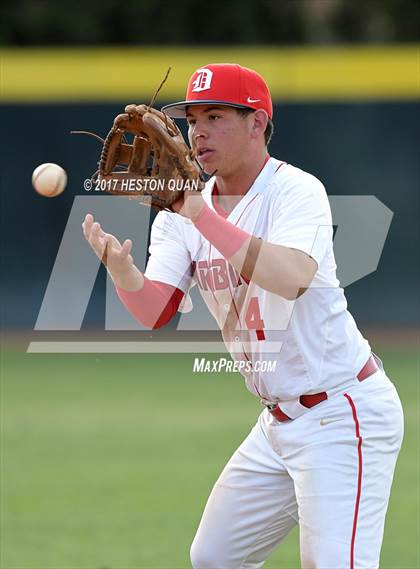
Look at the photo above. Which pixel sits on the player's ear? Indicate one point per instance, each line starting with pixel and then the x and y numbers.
pixel 260 120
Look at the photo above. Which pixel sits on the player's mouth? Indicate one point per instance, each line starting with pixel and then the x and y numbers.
pixel 204 154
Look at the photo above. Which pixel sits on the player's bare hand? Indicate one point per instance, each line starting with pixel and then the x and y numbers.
pixel 115 256
pixel 104 243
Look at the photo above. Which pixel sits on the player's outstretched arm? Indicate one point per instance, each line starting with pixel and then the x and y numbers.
pixel 114 255
pixel 152 303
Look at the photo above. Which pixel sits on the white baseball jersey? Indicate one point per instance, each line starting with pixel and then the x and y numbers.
pixel 330 468
pixel 313 342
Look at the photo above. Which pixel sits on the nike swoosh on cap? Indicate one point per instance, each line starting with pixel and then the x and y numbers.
pixel 249 100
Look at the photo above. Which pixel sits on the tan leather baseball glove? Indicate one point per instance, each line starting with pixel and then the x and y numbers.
pixel 155 167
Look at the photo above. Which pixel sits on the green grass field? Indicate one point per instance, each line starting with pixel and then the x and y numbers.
pixel 107 460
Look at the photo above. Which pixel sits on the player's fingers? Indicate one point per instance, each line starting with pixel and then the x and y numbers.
pixel 125 249
pixel 94 233
pixel 113 241
pixel 104 257
pixel 111 250
pixel 99 229
pixel 95 240
pixel 87 225
pixel 96 230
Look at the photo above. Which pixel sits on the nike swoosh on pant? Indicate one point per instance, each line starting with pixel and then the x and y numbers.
pixel 324 422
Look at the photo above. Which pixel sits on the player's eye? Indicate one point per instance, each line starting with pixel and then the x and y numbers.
pixel 191 122
pixel 214 117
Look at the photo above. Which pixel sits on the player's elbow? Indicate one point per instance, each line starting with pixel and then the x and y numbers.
pixel 287 292
pixel 285 271
pixel 301 277
pixel 295 294
pixel 289 287
pixel 161 322
pixel 152 322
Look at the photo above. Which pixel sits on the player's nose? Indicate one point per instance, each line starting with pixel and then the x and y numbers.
pixel 196 135
pixel 199 130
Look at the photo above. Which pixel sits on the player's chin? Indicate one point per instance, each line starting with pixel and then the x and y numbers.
pixel 208 170
pixel 208 166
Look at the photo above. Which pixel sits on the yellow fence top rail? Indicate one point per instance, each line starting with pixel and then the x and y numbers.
pixel 132 74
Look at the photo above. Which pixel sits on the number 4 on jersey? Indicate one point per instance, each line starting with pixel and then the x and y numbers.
pixel 253 318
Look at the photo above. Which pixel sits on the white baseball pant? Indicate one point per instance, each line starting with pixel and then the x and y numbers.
pixel 330 471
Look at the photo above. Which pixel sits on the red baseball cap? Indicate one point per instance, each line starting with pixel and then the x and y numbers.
pixel 224 84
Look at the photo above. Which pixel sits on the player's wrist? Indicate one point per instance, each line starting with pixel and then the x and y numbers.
pixel 192 206
pixel 196 207
pixel 129 279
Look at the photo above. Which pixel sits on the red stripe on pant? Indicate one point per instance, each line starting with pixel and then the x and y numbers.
pixel 359 477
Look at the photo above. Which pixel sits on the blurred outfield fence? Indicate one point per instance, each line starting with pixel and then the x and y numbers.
pixel 257 22
pixel 349 115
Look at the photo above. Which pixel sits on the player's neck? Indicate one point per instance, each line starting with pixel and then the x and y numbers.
pixel 233 187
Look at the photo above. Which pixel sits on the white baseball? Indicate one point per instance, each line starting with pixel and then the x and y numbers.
pixel 49 179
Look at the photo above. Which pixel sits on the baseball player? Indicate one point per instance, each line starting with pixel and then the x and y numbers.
pixel 258 244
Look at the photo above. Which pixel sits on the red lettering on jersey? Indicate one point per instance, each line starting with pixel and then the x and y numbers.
pixel 206 277
pixel 253 318
pixel 220 275
pixel 235 279
pixel 196 274
pixel 216 275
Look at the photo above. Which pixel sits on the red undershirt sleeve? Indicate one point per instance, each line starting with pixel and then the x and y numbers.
pixel 154 305
pixel 226 237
